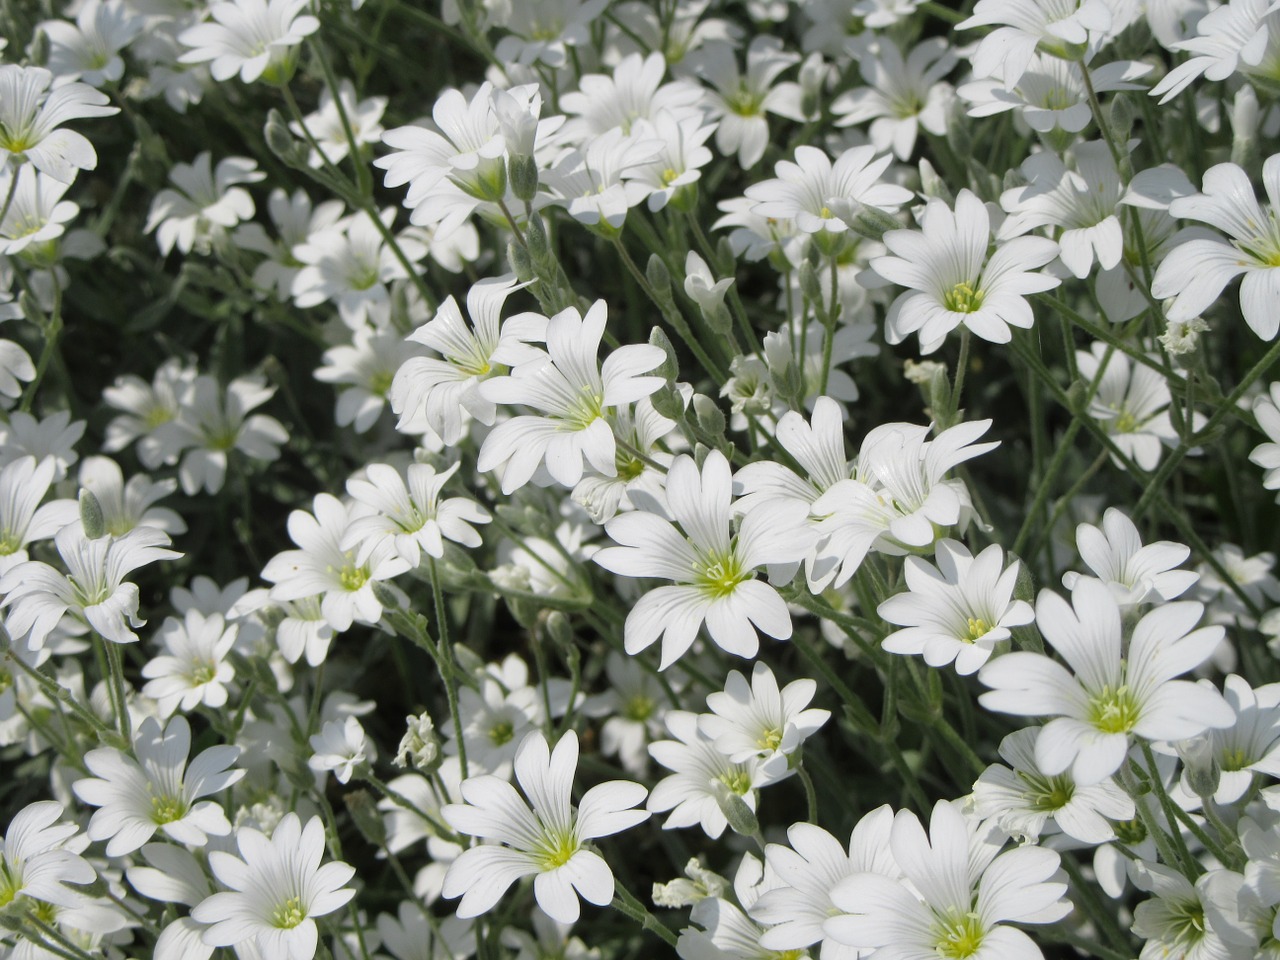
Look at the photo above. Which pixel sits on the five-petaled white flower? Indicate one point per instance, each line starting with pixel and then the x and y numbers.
pixel 539 835
pixel 714 570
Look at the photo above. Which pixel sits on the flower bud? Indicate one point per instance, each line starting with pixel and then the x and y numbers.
pixel 873 223
pixel 670 367
pixel 742 819
pixel 281 141
pixel 1200 765
pixel 91 515
pixel 535 235
pixel 521 262
pixel 523 175
pixel 660 279
pixel 1244 127
pixel 710 417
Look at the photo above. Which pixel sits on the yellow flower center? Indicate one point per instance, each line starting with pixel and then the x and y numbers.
pixel 1113 710
pixel 963 298
pixel 958 935
pixel 978 628
pixel 289 914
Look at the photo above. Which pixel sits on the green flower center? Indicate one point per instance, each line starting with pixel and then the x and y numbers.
pixel 557 850
pixel 1047 794
pixel 770 739
pixel 721 575
pixel 381 382
pixel 739 781
pixel 352 577
pixel 289 914
pixel 744 101
pixel 203 672
pixel 501 732
pixel 1186 922
pixel 1125 423
pixel 1129 832
pixel 958 935
pixel 10 882
pixel 1113 710
pixel 963 298
pixel 584 410
pixel 638 708
pixel 167 809
pixel 1232 760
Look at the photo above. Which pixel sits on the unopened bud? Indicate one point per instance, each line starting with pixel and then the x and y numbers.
pixel 1244 127
pixel 521 262
pixel 659 278
pixel 873 223
pixel 1200 765
pixel 810 286
pixel 710 417
pixel 91 515
pixel 931 184
pixel 38 49
pixel 281 141
pixel 523 176
pixel 742 819
pixel 1121 116
pixel 535 235
pixel 669 369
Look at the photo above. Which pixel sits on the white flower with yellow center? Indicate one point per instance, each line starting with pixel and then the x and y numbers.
pixel 277 888
pixel 540 834
pixel 714 570
pixel 572 393
pixel 1113 690
pixel 1195 272
pixel 158 791
pixel 951 280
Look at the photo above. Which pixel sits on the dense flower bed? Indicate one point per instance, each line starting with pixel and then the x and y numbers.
pixel 735 479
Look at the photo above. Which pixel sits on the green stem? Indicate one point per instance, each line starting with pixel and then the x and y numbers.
pixel 450 666
pixel 119 703
pixel 626 902
pixel 810 795
pixel 52 330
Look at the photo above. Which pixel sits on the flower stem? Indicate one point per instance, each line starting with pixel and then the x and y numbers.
pixel 626 902
pixel 449 665
pixel 117 688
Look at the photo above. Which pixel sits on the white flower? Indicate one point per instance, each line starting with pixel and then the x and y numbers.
pixel 1135 573
pixel 759 720
pixel 1195 272
pixel 253 38
pixel 898 492
pixel 540 835
pixel 205 205
pixel 412 936
pixel 1251 745
pixel 700 773
pixel 1266 409
pixel 34 861
pixel 808 870
pixel 680 160
pixel 1051 95
pixel 351 265
pixel 955 898
pixel 54 437
pixel 1110 696
pixel 412 517
pixel 194 668
pixel 600 182
pixel 952 281
pixel 442 389
pixel 632 91
pixel 30 120
pixel 342 747
pixel 957 611
pixel 90 50
pixel 145 408
pixel 23 484
pixel 572 392
pixel 1083 202
pixel 1023 800
pixel 157 791
pixel 713 570
pixel 327 129
pixel 635 704
pixel 1131 402
pixel 321 567
pixel 741 100
pixel 295 222
pixel 1183 920
pixel 276 891
pixel 540 30
pixel 1062 28
pixel 645 439
pixel 824 197
pixel 367 366
pixel 36 213
pixel 127 505
pixel 94 591
pixel 904 94
pixel 1231 37
pixel 211 423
